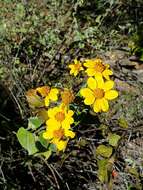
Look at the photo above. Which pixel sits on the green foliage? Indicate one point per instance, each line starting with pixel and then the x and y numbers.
pixel 36 33
pixel 46 154
pixel 123 123
pixel 34 122
pixel 103 170
pixel 27 140
pixel 104 151
pixel 43 142
pixel 113 139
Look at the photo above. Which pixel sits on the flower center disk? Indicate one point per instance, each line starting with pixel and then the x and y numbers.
pixel 77 66
pixel 60 116
pixel 99 67
pixel 99 93
pixel 59 133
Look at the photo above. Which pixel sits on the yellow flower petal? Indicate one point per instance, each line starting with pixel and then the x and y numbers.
pixel 76 73
pixel 86 92
pixel 99 80
pixel 53 95
pixel 67 122
pixel 97 106
pixel 89 63
pixel 71 71
pixel 90 72
pixel 69 133
pixel 61 145
pixel 70 113
pixel 106 73
pixel 52 112
pixel 47 101
pixel 107 66
pixel 104 105
pixel 71 66
pixel 53 123
pixel 92 84
pixel 75 68
pixel 48 135
pixel 76 61
pixel 108 85
pixel 111 94
pixel 89 100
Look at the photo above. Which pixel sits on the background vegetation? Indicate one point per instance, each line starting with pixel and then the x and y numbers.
pixel 38 38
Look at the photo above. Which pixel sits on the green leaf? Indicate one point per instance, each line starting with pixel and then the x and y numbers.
pixel 27 140
pixel 113 139
pixel 53 147
pixel 104 151
pixel 34 122
pixel 103 170
pixel 44 142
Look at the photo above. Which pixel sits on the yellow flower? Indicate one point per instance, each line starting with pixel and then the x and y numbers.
pixel 59 116
pixel 43 91
pixel 98 93
pixel 76 67
pixel 58 129
pixel 52 96
pixel 96 66
pixel 58 136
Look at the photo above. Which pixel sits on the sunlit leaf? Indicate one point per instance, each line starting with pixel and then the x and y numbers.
pixel 103 170
pixel 44 142
pixel 113 139
pixel 34 122
pixel 27 140
pixel 105 151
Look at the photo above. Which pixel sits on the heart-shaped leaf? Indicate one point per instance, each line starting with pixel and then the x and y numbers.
pixel 27 140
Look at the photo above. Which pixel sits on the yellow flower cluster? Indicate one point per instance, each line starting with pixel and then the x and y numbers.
pixel 59 118
pixel 93 67
pixel 58 126
pixel 99 86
